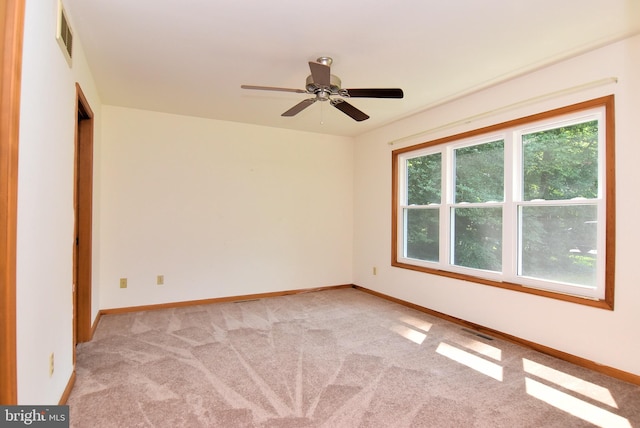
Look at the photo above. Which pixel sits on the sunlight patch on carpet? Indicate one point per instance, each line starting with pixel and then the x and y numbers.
pixel 480 347
pixel 575 406
pixel 408 333
pixel 423 325
pixel 474 362
pixel 570 382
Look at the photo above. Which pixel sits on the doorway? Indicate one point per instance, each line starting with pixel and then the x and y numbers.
pixel 83 197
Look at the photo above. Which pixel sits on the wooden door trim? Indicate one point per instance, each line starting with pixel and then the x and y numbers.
pixel 11 37
pixel 84 198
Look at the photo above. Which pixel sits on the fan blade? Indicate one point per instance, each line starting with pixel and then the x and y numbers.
pixel 271 88
pixel 349 110
pixel 376 93
pixel 321 73
pixel 299 107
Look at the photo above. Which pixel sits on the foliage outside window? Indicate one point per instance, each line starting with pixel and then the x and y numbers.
pixel 526 205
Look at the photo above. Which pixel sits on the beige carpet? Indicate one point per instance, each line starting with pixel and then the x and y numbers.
pixel 335 358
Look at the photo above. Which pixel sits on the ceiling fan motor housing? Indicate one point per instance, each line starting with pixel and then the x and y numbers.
pixel 323 92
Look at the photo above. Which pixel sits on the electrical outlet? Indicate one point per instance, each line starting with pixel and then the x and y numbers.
pixel 123 282
pixel 51 365
pixel 160 280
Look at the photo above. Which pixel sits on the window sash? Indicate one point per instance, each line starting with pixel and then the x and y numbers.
pixel 511 274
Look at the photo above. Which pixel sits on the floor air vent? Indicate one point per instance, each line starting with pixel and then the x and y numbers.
pixel 475 333
pixel 64 35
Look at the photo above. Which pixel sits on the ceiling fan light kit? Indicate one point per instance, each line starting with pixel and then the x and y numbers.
pixel 324 85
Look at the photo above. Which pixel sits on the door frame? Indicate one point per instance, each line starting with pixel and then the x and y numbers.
pixel 83 197
pixel 11 39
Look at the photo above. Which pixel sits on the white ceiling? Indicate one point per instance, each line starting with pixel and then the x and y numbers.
pixel 190 57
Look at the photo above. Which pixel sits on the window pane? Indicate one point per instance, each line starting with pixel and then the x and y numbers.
pixel 422 234
pixel 424 180
pixel 477 240
pixel 561 163
pixel 480 173
pixel 559 243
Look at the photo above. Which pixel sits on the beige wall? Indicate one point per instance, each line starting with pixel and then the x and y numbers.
pixel 45 205
pixel 219 208
pixel 610 338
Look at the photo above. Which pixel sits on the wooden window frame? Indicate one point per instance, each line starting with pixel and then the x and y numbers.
pixel 609 171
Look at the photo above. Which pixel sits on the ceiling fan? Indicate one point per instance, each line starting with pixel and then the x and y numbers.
pixel 325 85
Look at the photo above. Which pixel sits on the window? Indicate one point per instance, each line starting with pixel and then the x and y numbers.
pixel 526 205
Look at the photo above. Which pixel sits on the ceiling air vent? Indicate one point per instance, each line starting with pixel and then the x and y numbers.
pixel 64 35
